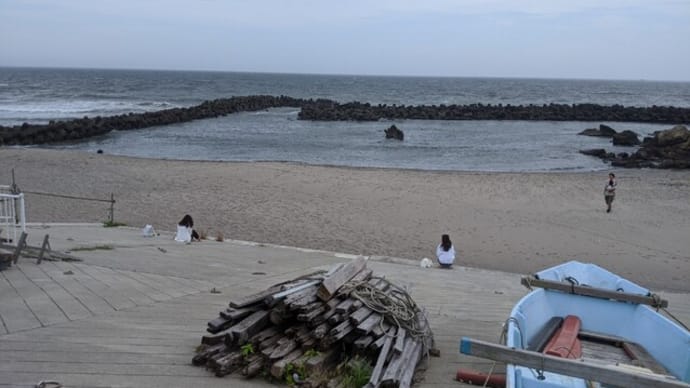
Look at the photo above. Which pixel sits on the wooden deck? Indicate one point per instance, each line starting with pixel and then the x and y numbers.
pixel 133 315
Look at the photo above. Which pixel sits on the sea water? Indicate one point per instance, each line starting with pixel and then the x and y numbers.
pixel 40 95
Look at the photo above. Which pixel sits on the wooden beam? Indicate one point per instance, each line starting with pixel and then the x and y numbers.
pixel 44 247
pixel 381 361
pixel 334 281
pixel 254 298
pixel 399 341
pixel 249 326
pixel 652 300
pixel 607 374
pixel 273 298
pixel 640 354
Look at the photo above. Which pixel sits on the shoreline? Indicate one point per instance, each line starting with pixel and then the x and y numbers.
pixel 508 221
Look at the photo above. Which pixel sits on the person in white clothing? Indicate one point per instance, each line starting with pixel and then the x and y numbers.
pixel 185 231
pixel 445 252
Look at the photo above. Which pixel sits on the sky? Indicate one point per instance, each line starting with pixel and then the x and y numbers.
pixel 574 39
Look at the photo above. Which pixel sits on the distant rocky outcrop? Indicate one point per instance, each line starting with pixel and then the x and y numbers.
pixel 664 149
pixel 626 138
pixel 602 131
pixel 623 138
pixel 394 133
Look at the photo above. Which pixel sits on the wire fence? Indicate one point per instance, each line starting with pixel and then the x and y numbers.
pixel 14 189
pixel 111 201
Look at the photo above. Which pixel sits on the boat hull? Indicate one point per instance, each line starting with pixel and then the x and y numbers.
pixel 667 342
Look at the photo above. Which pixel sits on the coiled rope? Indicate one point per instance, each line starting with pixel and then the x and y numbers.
pixel 393 303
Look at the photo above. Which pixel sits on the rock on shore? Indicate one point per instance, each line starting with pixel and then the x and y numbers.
pixel 664 149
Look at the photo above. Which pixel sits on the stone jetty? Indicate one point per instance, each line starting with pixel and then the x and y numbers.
pixel 328 110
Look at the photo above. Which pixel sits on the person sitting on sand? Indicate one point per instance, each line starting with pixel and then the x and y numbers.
pixel 445 252
pixel 185 233
pixel 610 191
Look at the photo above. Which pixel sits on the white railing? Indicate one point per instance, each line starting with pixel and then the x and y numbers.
pixel 12 215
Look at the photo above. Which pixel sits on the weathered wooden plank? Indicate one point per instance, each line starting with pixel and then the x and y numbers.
pixel 213 339
pixel 399 340
pixel 40 303
pixel 118 282
pixel 292 294
pixel 369 323
pixel 640 354
pixel 249 326
pixel 652 300
pixel 378 330
pixel 381 360
pixel 344 306
pixel 361 276
pixel 253 367
pixel 203 356
pixel 227 364
pixel 360 315
pixel 576 368
pixel 362 343
pixel 334 281
pixel 15 314
pixel 600 337
pixel 278 367
pixel 283 349
pixel 254 298
pixel 239 313
pixel 410 366
pixel 321 361
pixel 263 335
pixel 392 374
pixel 218 324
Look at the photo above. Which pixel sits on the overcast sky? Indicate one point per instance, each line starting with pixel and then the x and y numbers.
pixel 600 39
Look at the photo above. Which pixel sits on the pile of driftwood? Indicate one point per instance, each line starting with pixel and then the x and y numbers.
pixel 305 331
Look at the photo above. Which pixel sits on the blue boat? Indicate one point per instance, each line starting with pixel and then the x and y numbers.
pixel 587 327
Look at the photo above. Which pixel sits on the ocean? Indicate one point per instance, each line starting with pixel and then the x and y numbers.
pixel 41 95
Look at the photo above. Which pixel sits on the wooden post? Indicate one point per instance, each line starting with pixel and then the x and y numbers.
pixel 46 245
pixel 112 208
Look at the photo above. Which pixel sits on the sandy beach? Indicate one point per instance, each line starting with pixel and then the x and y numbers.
pixel 514 222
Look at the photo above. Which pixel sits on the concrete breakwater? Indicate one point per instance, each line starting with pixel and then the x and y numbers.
pixel 327 110
pixel 57 131
pixel 331 111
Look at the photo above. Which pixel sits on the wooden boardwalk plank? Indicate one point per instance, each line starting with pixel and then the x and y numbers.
pixel 118 283
pixel 40 303
pixel 144 287
pixel 96 357
pixel 92 301
pixel 168 285
pixel 154 281
pixel 14 313
pixel 114 298
pixel 72 307
pixel 85 379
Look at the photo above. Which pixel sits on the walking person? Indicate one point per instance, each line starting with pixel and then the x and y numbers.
pixel 445 252
pixel 610 191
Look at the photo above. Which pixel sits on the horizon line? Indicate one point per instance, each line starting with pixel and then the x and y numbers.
pixel 340 74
